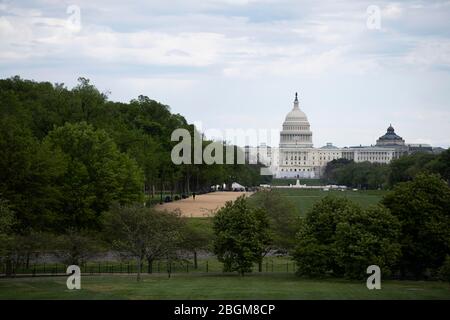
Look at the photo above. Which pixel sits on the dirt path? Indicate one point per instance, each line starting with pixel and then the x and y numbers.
pixel 204 205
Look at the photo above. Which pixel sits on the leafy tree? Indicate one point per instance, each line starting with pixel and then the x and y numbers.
pixel 7 221
pixel 367 237
pixel 196 238
pixel 332 169
pixel 76 247
pixel 444 270
pixel 97 175
pixel 338 237
pixel 283 216
pixel 315 253
pixel 242 234
pixel 166 238
pixel 142 233
pixel 25 246
pixel 30 175
pixel 441 165
pixel 423 209
pixel 363 175
pixel 407 167
pixel 312 257
pixel 88 100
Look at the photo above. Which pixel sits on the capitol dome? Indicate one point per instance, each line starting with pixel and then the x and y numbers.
pixel 296 129
pixel 296 115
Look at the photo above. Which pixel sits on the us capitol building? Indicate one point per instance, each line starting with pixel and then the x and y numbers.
pixel 297 158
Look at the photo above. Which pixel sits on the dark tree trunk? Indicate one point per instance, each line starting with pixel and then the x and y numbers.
pixel 9 267
pixel 150 265
pixel 195 260
pixel 139 266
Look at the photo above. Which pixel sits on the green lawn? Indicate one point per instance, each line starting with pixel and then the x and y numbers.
pixel 305 198
pixel 203 286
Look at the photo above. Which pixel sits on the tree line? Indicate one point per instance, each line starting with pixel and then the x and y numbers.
pixel 407 235
pixel 69 155
pixel 366 175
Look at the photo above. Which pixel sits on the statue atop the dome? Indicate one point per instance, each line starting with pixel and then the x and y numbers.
pixel 296 97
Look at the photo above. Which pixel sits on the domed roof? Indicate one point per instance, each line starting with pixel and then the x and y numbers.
pixel 390 138
pixel 296 115
pixel 296 131
pixel 390 134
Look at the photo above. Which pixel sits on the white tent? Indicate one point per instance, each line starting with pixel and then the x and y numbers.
pixel 237 186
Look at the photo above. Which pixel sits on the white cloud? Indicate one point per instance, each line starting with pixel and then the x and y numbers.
pixel 197 48
pixel 391 11
pixel 429 53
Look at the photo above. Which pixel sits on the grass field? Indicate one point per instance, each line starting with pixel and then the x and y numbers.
pixel 201 286
pixel 304 199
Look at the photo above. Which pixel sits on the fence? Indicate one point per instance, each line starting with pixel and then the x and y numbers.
pixel 93 268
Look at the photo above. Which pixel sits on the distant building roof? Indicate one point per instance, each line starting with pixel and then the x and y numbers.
pixel 419 145
pixel 329 145
pixel 390 135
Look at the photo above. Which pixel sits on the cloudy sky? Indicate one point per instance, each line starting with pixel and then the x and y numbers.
pixel 237 63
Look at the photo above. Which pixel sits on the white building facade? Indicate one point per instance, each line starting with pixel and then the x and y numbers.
pixel 297 157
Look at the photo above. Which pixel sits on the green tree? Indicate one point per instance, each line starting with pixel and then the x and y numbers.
pixel 30 176
pixel 77 247
pixel 142 233
pixel 423 209
pixel 444 270
pixel 363 175
pixel 407 167
pixel 98 174
pixel 367 237
pixel 196 238
pixel 315 253
pixel 242 234
pixel 340 238
pixel 441 165
pixel 283 217
pixel 7 221
pixel 29 245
